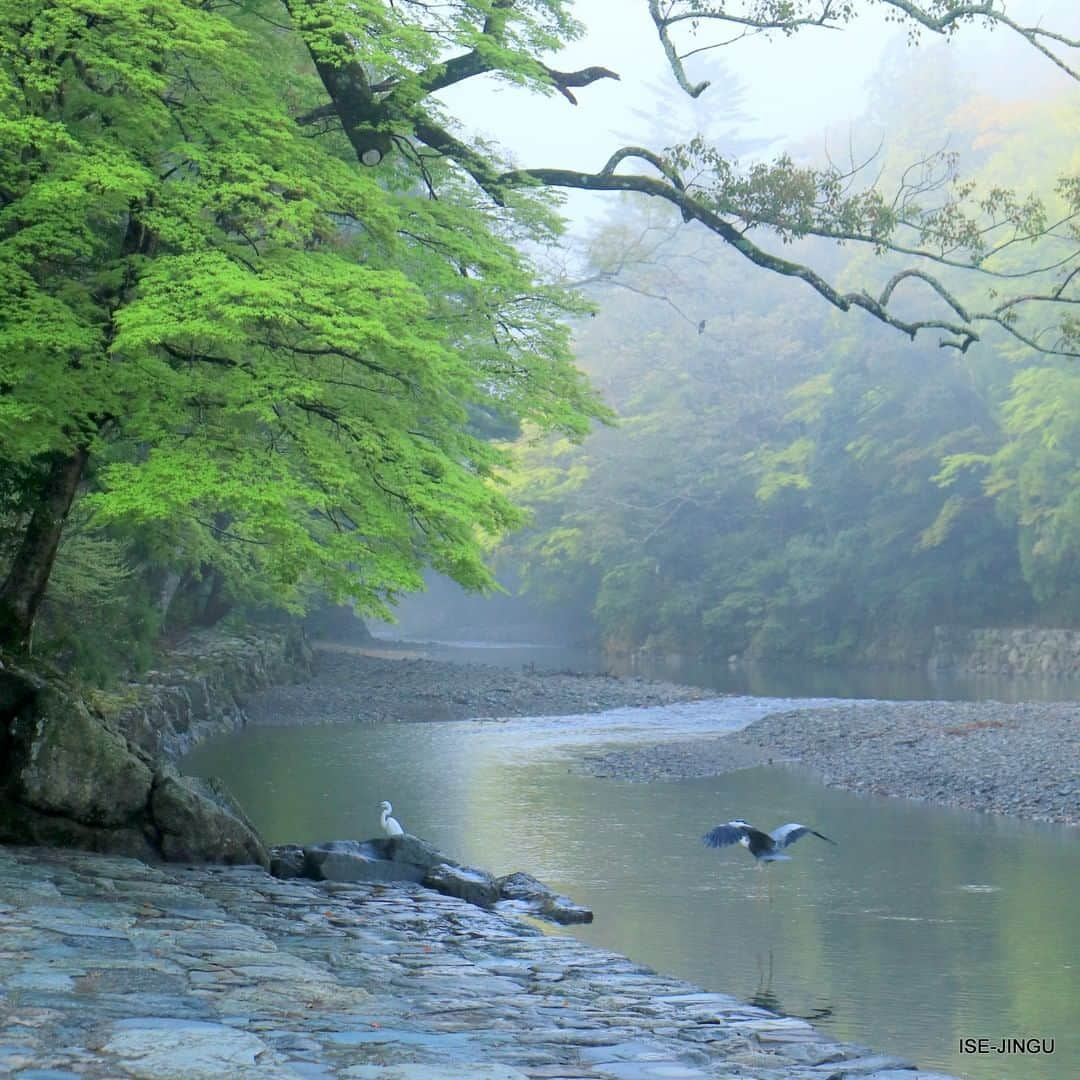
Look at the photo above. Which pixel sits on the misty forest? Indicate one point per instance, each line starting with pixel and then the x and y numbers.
pixel 480 480
pixel 277 330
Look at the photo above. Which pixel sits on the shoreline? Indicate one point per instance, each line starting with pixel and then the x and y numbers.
pixel 1018 760
pixel 111 967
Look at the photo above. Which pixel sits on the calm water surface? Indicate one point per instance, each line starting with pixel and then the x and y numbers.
pixel 924 925
pixel 789 680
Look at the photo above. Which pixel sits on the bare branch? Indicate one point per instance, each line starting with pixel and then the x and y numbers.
pixel 790 16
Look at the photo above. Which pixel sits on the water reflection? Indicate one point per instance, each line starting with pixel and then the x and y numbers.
pixel 923 926
pixel 766 998
pixel 787 680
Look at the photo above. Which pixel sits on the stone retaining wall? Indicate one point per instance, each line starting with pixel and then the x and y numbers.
pixel 94 770
pixel 1006 651
pixel 200 688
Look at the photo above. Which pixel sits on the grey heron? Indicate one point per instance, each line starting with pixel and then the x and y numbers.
pixel 390 825
pixel 765 847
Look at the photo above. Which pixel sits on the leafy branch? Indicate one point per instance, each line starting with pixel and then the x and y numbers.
pixel 933 216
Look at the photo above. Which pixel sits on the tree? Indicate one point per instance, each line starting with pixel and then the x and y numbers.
pixel 225 333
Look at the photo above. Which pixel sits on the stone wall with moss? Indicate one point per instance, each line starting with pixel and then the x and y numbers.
pixel 199 688
pixel 95 770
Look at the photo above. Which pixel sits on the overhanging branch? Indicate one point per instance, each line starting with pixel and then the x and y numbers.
pixel 790 16
pixel 962 333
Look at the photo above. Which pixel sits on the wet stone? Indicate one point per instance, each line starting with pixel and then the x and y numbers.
pixel 220 972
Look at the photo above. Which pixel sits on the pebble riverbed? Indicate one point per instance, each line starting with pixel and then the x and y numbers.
pixel 1019 759
pixel 372 685
pixel 110 968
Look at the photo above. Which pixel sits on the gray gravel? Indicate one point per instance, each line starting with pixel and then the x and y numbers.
pixel 383 685
pixel 1019 759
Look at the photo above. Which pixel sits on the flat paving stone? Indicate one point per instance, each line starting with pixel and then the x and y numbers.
pixel 111 969
pixel 179 1050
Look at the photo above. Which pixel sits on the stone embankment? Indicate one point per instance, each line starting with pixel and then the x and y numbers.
pixel 93 770
pixel 1021 759
pixel 201 687
pixel 110 968
pixel 1030 651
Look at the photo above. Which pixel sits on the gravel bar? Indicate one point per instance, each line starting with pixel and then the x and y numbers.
pixel 379 685
pixel 1021 759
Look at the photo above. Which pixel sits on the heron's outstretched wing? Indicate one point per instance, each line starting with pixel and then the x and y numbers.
pixel 788 834
pixel 731 833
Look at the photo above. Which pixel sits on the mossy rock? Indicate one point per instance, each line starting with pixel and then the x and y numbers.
pixel 66 762
pixel 200 821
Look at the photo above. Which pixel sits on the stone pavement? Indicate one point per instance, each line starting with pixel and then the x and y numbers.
pixel 110 968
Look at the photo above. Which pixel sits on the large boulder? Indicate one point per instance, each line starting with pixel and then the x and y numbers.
pixel 200 821
pixel 464 882
pixel 63 761
pixel 24 825
pixel 411 849
pixel 357 860
pixel 70 776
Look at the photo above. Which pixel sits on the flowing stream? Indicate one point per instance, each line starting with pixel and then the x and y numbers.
pixel 922 927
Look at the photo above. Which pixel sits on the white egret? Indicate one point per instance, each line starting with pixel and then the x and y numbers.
pixel 390 825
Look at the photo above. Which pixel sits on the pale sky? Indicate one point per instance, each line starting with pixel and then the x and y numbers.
pixel 795 87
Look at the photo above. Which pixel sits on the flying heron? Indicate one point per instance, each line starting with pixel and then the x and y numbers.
pixel 390 825
pixel 765 847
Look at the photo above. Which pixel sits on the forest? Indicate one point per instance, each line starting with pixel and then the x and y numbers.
pixel 785 483
pixel 278 329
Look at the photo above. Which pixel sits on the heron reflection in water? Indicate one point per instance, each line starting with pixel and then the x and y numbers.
pixel 765 998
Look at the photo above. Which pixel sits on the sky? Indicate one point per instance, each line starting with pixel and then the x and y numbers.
pixel 796 88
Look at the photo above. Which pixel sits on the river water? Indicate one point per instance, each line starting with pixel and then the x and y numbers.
pixel 922 927
pixel 788 680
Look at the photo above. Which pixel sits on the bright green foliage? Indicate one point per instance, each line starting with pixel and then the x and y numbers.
pixel 400 38
pixel 273 353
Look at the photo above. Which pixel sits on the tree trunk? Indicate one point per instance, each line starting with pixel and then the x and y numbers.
pixel 24 588
pixel 218 603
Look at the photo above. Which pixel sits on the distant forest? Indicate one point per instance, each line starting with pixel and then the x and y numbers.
pixel 789 482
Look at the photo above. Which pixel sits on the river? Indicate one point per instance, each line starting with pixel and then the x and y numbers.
pixel 922 927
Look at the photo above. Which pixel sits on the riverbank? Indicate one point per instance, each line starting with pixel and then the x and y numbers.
pixel 1021 759
pixel 111 968
pixel 381 684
